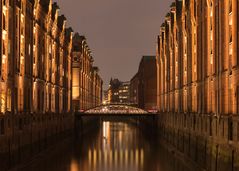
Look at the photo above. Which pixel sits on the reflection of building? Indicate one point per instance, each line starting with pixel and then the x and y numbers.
pixel 144 84
pixel 87 84
pixel 108 154
pixel 118 92
pixel 198 59
pixel 35 58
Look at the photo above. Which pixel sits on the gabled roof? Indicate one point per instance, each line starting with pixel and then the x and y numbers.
pixel 45 4
pixel 173 5
pixel 68 34
pixel 78 37
pixel 55 7
pixel 60 22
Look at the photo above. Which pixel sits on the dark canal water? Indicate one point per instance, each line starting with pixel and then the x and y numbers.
pixel 115 146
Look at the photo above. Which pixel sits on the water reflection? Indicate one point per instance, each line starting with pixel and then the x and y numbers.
pixel 117 146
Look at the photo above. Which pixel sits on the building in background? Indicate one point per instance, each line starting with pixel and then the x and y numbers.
pixel 124 92
pixel 118 92
pixel 87 84
pixel 105 98
pixel 144 84
pixel 113 91
pixel 134 90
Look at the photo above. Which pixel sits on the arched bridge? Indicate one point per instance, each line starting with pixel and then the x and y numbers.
pixel 88 120
pixel 115 110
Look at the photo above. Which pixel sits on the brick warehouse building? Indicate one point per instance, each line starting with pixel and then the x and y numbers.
pixel 35 58
pixel 143 86
pixel 198 71
pixel 87 84
pixel 35 77
pixel 197 57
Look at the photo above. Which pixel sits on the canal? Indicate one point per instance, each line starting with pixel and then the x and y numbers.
pixel 113 146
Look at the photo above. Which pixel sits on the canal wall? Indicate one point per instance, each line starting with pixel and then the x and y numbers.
pixel 24 136
pixel 85 125
pixel 211 142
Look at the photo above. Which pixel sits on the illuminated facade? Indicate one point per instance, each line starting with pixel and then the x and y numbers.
pixel 118 92
pixel 105 98
pixel 124 93
pixel 35 64
pixel 87 84
pixel 197 60
pixel 113 91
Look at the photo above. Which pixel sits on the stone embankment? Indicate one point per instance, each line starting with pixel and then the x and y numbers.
pixel 212 142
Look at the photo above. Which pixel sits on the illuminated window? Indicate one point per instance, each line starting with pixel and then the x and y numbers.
pixel 211 33
pixel 9 96
pixel 230 27
pixel 211 59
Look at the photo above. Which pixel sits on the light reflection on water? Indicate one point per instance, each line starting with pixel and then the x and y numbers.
pixel 117 146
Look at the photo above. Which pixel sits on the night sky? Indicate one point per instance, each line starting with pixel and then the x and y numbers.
pixel 119 32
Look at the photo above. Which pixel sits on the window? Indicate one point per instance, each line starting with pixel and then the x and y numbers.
pixel 38 100
pixel 185 22
pixel 195 9
pixel 230 6
pixel 4 22
pixel 16 21
pixel 9 98
pixel 230 30
pixel 3 48
pixel 230 34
